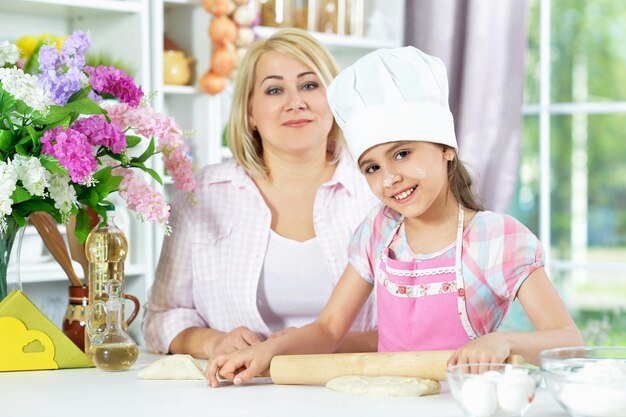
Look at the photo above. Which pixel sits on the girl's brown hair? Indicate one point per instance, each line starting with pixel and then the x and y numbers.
pixel 460 183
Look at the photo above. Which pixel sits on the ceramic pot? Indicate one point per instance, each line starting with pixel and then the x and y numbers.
pixel 176 69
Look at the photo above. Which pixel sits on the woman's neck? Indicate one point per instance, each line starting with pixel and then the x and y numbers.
pixel 298 170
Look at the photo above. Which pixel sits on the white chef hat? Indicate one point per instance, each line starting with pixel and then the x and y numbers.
pixel 392 95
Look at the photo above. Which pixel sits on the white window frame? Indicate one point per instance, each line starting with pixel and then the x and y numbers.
pixel 545 109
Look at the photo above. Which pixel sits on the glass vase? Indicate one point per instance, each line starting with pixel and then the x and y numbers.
pixel 10 245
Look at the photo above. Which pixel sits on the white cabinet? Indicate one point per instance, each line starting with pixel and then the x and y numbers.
pixel 186 23
pixel 119 28
pixel 132 31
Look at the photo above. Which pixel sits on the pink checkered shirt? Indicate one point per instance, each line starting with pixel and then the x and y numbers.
pixel 211 264
pixel 499 253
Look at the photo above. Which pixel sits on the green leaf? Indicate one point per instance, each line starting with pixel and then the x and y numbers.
pixel 7 102
pixel 65 122
pixel 6 140
pixel 55 114
pixel 24 139
pixel 108 185
pixel 85 106
pixel 20 194
pixel 102 174
pixel 23 108
pixel 147 153
pixel 35 135
pixel 21 220
pixel 81 229
pixel 154 175
pixel 50 163
pixel 81 94
pixel 132 141
pixel 93 198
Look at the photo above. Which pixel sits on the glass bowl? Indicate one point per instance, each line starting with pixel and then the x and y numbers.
pixel 493 390
pixel 587 381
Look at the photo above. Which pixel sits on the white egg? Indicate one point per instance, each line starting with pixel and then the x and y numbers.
pixel 492 375
pixel 479 397
pixel 515 391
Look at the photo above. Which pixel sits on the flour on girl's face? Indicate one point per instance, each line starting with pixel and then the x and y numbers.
pixel 390 180
pixel 420 174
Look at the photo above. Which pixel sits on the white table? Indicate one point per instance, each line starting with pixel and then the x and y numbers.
pixel 94 393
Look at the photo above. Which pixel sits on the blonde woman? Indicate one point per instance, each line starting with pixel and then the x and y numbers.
pixel 266 241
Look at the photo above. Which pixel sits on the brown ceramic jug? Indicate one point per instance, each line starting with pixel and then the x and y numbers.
pixel 78 311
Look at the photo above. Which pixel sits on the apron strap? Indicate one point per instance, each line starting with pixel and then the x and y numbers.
pixel 460 284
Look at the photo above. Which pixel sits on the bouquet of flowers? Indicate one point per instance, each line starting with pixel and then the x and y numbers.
pixel 64 147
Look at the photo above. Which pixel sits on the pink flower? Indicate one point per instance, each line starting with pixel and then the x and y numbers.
pixel 140 197
pixel 114 81
pixel 99 132
pixel 178 165
pixel 170 142
pixel 73 151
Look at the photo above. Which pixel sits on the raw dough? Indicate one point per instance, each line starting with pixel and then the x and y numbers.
pixel 384 386
pixel 174 367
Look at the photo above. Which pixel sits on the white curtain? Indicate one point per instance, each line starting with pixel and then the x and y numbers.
pixel 482 43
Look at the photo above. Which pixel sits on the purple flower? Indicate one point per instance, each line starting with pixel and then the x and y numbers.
pixel 101 133
pixel 73 151
pixel 74 48
pixel 61 74
pixel 110 80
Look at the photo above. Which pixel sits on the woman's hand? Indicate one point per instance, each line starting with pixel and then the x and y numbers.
pixel 237 339
pixel 240 366
pixel 490 348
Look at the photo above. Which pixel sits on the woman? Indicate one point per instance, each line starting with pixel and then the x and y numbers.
pixel 266 240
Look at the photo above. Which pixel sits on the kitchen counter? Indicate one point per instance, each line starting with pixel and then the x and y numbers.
pixel 95 393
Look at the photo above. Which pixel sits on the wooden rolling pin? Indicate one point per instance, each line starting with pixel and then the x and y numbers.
pixel 319 369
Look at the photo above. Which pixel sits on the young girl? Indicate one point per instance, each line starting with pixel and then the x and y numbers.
pixel 445 271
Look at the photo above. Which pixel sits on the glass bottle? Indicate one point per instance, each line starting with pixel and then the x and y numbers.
pixel 112 349
pixel 106 248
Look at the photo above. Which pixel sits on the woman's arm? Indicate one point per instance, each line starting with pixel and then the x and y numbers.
pixel 204 343
pixel 554 327
pixel 324 335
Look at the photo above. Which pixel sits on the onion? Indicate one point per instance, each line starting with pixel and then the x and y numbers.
pixel 223 60
pixel 222 30
pixel 212 83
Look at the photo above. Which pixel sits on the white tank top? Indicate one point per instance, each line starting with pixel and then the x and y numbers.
pixel 295 284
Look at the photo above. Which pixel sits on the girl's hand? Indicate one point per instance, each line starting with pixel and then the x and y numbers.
pixel 240 366
pixel 237 339
pixel 281 332
pixel 491 348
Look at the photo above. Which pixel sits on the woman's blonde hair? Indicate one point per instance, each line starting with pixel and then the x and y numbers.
pixel 245 143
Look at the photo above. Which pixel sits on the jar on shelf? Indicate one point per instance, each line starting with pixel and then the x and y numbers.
pixel 277 13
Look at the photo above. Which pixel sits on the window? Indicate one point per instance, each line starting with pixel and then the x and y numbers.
pixel 572 182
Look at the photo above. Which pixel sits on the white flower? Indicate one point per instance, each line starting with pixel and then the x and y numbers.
pixel 34 177
pixel 25 87
pixel 8 180
pixel 9 53
pixel 62 193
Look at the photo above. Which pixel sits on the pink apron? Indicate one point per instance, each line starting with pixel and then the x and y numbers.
pixel 421 304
